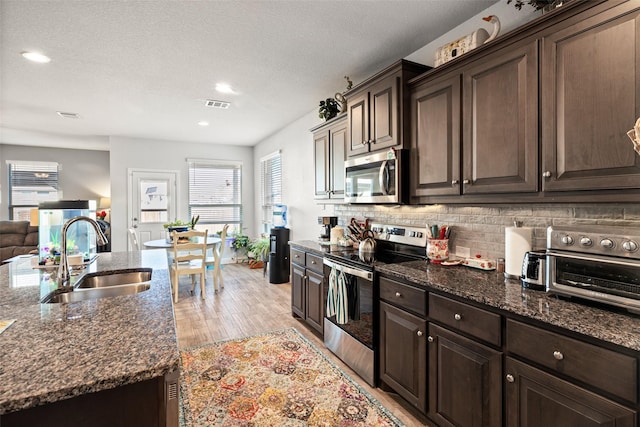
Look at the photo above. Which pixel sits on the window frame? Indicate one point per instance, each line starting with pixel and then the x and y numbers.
pixel 31 167
pixel 270 191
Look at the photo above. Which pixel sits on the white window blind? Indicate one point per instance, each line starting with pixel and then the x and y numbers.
pixel 215 193
pixel 29 184
pixel 271 186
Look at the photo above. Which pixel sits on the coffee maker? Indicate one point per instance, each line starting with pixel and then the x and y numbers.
pixel 326 224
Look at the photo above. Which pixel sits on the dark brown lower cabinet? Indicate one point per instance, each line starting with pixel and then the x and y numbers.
pixel 465 381
pixel 534 398
pixel 403 354
pixel 315 300
pixel 298 297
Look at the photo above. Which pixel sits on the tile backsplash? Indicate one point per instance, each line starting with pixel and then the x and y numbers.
pixel 481 228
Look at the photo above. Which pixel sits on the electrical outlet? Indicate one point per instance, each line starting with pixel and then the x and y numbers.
pixel 463 252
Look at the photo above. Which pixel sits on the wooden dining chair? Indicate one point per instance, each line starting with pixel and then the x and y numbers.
pixel 189 255
pixel 216 260
pixel 133 239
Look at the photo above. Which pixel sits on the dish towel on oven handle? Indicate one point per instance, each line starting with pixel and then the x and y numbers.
pixel 331 294
pixel 337 301
pixel 342 302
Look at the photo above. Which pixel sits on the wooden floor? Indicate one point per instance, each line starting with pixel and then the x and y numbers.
pixel 250 305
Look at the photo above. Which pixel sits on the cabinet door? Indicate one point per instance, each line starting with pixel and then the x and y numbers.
pixel 383 114
pixel 337 152
pixel 590 99
pixel 403 354
pixel 435 138
pixel 500 123
pixel 315 300
pixel 321 161
pixel 358 123
pixel 537 399
pixel 465 381
pixel 298 297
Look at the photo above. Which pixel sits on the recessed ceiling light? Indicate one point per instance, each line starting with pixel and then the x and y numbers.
pixel 67 115
pixel 36 57
pixel 203 123
pixel 224 88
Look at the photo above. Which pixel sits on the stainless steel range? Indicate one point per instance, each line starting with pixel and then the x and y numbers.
pixel 601 264
pixel 351 333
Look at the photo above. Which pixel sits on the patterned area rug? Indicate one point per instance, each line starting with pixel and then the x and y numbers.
pixel 275 379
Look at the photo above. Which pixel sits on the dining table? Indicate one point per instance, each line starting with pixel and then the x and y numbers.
pixel 163 243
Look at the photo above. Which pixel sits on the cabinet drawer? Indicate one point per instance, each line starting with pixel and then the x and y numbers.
pixel 602 368
pixel 314 262
pixel 466 318
pixel 297 256
pixel 404 296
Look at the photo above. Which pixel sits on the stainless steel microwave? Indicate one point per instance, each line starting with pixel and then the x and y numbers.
pixel 376 178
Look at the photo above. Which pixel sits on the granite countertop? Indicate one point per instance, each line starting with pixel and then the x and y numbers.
pixel 57 351
pixel 492 289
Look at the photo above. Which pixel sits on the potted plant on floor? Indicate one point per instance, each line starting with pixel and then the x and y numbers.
pixel 259 248
pixel 240 244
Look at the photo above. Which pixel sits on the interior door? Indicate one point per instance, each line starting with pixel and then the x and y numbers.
pixel 153 196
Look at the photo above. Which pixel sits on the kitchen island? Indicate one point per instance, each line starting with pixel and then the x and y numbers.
pixel 111 357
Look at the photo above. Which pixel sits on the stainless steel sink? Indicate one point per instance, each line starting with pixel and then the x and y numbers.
pixel 114 278
pixel 104 284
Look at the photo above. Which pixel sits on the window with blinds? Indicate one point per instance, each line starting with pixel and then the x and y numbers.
pixel 215 194
pixel 271 187
pixel 29 184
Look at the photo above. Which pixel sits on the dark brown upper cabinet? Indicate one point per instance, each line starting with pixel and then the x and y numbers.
pixel 376 109
pixel 475 131
pixel 330 145
pixel 590 98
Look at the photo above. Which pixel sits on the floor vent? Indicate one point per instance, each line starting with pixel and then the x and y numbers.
pixel 217 104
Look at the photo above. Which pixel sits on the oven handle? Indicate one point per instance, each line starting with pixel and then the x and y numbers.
pixel 595 258
pixel 367 275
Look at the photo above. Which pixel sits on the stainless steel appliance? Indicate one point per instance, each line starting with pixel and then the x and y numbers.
pixel 326 224
pixel 354 341
pixel 377 178
pixel 601 264
pixel 533 270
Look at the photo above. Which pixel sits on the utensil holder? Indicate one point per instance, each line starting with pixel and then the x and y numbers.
pixel 437 250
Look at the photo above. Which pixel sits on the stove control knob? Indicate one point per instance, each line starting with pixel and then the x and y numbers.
pixel 630 246
pixel 567 240
pixel 419 234
pixel 607 243
pixel 585 241
pixel 412 234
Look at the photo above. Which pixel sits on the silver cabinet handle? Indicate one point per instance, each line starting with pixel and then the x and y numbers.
pixel 364 142
pixel 430 338
pixel 454 182
pixel 398 294
pixel 466 181
pixel 546 174
pixel 419 333
pixel 313 262
pixel 296 256
pixel 510 378
pixel 558 355
pixel 457 316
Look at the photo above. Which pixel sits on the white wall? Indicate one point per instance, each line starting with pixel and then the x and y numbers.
pixel 170 155
pixel 296 143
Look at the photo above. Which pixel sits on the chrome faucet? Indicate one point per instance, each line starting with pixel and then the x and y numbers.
pixel 63 270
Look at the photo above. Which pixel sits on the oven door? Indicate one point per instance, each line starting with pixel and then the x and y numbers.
pixel 613 281
pixel 374 178
pixel 359 319
pixel 353 339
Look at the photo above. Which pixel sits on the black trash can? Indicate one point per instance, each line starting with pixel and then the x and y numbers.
pixel 279 255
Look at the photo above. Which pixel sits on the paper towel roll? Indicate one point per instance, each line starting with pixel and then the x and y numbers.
pixel 517 242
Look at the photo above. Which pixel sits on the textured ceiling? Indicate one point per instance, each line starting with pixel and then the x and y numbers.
pixel 144 68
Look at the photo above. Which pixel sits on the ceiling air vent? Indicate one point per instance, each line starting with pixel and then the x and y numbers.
pixel 67 115
pixel 217 104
